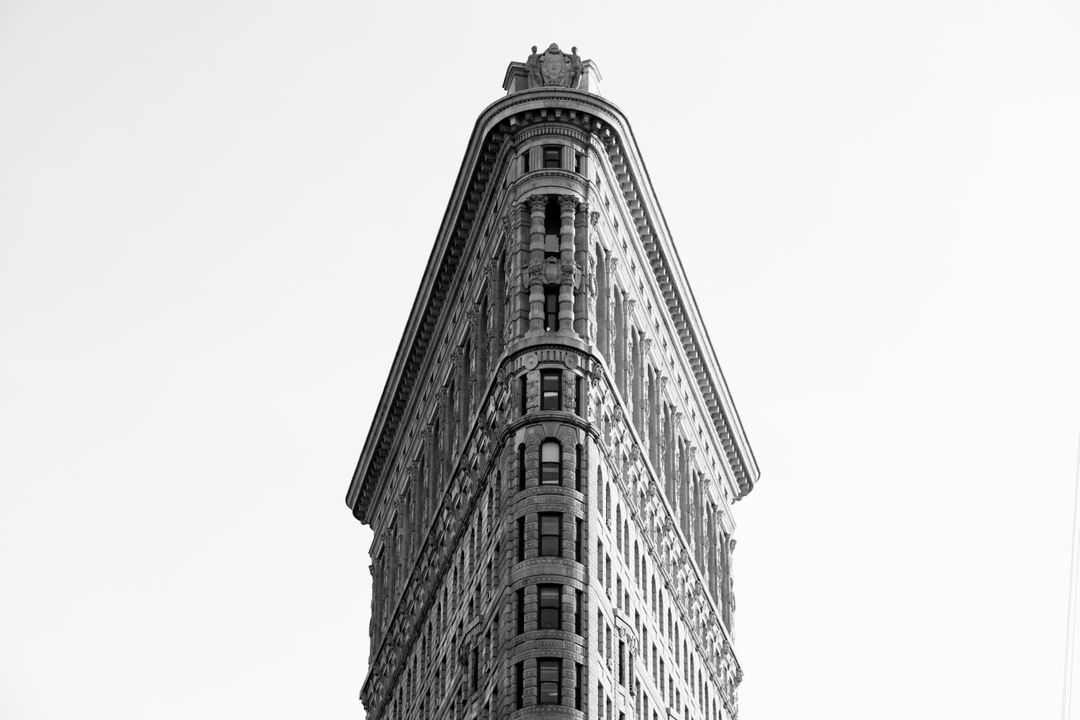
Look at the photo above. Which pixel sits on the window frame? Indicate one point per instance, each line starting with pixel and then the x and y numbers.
pixel 549 607
pixel 541 535
pixel 551 316
pixel 548 664
pixel 551 157
pixel 551 398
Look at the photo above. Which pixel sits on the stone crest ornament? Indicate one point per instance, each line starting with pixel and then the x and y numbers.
pixel 554 68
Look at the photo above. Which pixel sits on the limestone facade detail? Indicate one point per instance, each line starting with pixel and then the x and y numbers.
pixel 552 465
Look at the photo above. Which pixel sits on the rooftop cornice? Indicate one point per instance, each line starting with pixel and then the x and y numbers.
pixel 599 116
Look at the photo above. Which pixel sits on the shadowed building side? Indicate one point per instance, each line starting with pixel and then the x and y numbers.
pixel 550 471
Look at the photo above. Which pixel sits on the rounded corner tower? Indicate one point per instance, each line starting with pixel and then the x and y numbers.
pixel 550 471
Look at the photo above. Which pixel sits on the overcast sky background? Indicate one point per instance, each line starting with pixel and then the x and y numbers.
pixel 213 220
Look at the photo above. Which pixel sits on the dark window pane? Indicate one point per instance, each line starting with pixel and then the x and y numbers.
pixel 550 390
pixel 550 604
pixel 550 531
pixel 549 473
pixel 552 156
pixel 551 308
pixel 550 463
pixel 549 681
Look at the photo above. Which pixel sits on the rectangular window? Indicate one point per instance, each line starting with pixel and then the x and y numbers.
pixel 622 663
pixel 524 395
pixel 579 609
pixel 521 466
pixel 579 397
pixel 550 534
pixel 551 307
pixel 521 538
pixel 521 611
pixel 550 463
pixel 577 163
pixel 550 390
pixel 552 156
pixel 579 687
pixel 550 600
pixel 579 471
pixel 548 681
pixel 519 672
pixel 525 161
pixel 578 539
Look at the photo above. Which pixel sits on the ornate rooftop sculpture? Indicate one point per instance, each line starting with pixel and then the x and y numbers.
pixel 553 68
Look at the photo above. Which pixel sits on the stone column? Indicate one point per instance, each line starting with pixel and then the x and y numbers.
pixel 478 320
pixel 726 584
pixel 710 545
pixel 568 268
pixel 434 469
pixel 581 259
pixel 535 270
pixel 603 273
pixel 616 337
pixel 496 308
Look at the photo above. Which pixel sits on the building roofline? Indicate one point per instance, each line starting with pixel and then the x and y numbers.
pixel 492 125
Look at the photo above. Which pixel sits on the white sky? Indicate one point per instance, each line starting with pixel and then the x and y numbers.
pixel 213 220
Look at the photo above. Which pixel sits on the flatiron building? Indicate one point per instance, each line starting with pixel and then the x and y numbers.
pixel 552 465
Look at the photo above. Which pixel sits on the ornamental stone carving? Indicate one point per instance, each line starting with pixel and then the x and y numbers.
pixel 568 204
pixel 532 67
pixel 570 274
pixel 554 68
pixel 536 274
pixel 552 271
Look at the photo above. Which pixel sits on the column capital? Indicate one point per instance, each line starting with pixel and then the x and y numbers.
pixel 537 204
pixel 568 204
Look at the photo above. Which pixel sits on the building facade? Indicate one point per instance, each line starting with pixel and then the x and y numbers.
pixel 550 472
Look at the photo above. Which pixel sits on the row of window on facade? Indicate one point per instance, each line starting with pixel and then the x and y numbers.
pixel 551 158
pixel 549 536
pixel 549 683
pixel 551 395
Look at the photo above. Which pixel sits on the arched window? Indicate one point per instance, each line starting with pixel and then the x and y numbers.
pixel 550 463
